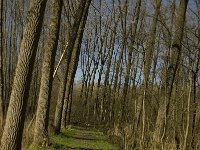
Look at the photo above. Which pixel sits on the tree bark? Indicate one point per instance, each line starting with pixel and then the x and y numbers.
pixel 42 117
pixel 164 112
pixel 74 61
pixel 1 67
pixel 61 95
pixel 12 134
pixel 129 64
pixel 146 105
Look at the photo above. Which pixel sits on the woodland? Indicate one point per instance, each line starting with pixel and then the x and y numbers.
pixel 127 68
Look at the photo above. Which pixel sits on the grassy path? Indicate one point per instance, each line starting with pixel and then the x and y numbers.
pixel 77 138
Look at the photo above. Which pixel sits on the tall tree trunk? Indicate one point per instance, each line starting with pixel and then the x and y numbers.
pixel 196 115
pixel 129 64
pixel 164 112
pixel 147 67
pixel 61 95
pixel 1 66
pixel 42 117
pixel 12 134
pixel 107 73
pixel 74 61
pixel 187 135
pixel 69 108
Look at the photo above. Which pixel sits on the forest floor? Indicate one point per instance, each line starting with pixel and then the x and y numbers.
pixel 78 138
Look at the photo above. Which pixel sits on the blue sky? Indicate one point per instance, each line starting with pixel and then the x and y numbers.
pixel 191 6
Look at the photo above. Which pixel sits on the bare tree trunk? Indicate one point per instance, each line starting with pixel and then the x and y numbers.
pixel 60 101
pixel 74 62
pixel 116 76
pixel 196 114
pixel 147 67
pixel 42 117
pixel 164 112
pixel 188 125
pixel 12 134
pixel 98 108
pixel 133 29
pixel 106 89
pixel 61 94
pixel 69 108
pixel 1 66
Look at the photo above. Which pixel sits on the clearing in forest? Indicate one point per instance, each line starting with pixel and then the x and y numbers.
pixel 78 138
